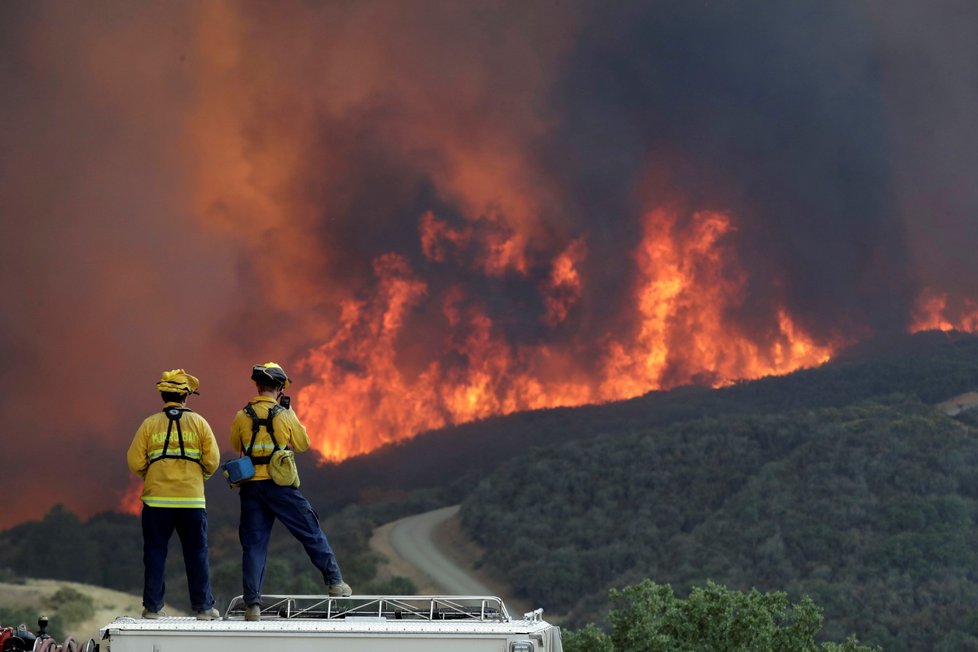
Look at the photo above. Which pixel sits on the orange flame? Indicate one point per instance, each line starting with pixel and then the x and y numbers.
pixel 932 313
pixel 367 391
pixel 564 285
pixel 690 281
pixel 131 501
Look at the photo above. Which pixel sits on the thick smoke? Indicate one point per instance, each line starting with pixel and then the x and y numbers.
pixel 929 80
pixel 769 111
pixel 211 185
pixel 98 266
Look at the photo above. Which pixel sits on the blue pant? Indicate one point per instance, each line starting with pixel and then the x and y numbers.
pixel 262 501
pixel 191 527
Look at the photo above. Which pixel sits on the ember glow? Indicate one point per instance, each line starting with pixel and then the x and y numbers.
pixel 933 313
pixel 131 501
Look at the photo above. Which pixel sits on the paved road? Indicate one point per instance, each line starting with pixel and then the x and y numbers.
pixel 411 539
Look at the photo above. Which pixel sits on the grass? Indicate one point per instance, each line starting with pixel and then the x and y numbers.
pixel 40 597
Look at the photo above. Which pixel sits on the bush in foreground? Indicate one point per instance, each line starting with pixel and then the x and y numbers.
pixel 648 617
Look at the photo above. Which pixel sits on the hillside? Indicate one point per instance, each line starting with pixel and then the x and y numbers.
pixel 869 508
pixel 89 608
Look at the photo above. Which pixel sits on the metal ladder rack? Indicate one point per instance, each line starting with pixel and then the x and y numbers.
pixel 376 607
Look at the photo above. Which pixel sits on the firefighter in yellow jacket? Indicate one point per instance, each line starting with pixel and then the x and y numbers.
pixel 174 451
pixel 258 430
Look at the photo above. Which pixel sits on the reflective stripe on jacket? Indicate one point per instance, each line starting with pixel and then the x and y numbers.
pixel 172 481
pixel 289 432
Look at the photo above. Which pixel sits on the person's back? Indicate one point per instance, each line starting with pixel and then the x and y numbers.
pixel 174 451
pixel 288 432
pixel 176 477
pixel 258 430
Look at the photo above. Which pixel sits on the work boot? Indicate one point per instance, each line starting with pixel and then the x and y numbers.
pixel 340 589
pixel 208 614
pixel 253 612
pixel 153 615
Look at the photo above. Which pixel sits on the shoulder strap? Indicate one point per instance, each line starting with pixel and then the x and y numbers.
pixel 173 415
pixel 256 424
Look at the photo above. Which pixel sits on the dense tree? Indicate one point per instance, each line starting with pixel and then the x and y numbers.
pixel 869 508
pixel 648 617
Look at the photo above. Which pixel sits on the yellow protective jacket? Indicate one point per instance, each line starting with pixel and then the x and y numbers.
pixel 289 432
pixel 174 482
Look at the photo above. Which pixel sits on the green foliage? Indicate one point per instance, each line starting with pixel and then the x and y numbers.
pixel 392 586
pixel 69 607
pixel 56 544
pixel 28 616
pixel 590 638
pixel 65 609
pixel 869 508
pixel 60 546
pixel 16 616
pixel 648 617
pixel 8 576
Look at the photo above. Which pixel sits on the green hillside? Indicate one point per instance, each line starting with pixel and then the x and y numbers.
pixel 869 508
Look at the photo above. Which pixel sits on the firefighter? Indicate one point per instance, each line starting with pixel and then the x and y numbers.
pixel 174 452
pixel 263 500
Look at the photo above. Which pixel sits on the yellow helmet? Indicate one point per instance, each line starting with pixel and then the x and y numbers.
pixel 178 381
pixel 270 373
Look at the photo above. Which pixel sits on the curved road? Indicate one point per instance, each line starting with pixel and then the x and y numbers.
pixel 411 540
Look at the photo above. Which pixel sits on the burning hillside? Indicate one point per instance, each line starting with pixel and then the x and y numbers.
pixel 459 366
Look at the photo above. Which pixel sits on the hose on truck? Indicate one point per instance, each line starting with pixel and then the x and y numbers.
pixel 23 640
pixel 69 645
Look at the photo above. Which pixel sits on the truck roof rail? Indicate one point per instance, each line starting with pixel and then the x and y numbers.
pixel 389 607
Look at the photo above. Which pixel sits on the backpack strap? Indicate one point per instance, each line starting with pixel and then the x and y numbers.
pixel 173 415
pixel 256 423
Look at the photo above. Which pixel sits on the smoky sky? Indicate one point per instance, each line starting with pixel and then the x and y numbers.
pixel 207 185
pixel 772 111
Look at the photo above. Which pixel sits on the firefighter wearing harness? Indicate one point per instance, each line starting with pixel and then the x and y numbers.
pixel 259 429
pixel 174 451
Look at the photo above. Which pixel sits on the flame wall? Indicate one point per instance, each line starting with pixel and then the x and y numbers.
pixel 433 212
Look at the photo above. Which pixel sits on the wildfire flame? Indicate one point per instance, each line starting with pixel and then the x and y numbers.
pixel 933 313
pixel 689 281
pixel 131 501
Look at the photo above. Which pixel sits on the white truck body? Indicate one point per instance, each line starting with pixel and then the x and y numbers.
pixel 350 624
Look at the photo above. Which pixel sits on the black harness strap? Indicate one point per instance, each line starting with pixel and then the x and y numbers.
pixel 173 416
pixel 256 424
